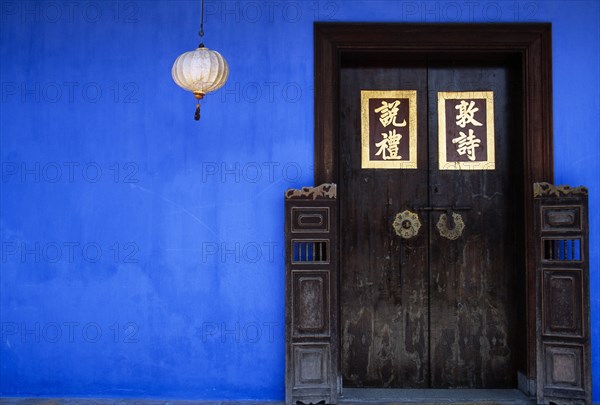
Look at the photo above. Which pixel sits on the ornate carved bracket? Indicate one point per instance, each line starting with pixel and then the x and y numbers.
pixel 327 190
pixel 546 190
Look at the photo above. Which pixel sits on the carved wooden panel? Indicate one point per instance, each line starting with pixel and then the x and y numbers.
pixel 310 220
pixel 562 298
pixel 311 325
pixel 561 218
pixel 311 365
pixel 310 303
pixel 564 367
pixel 562 316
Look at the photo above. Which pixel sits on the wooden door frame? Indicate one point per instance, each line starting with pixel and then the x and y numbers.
pixel 533 42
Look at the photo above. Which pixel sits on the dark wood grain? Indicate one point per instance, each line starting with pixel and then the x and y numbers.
pixel 429 311
pixel 384 282
pixel 311 296
pixel 474 332
pixel 338 42
pixel 563 300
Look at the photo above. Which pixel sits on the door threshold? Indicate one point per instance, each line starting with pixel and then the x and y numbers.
pixel 392 396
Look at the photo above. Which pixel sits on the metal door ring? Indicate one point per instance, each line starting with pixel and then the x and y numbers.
pixel 456 231
pixel 407 224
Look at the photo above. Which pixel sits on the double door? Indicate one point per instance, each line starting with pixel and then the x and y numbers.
pixel 438 308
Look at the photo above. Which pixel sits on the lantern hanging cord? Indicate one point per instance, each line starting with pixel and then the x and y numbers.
pixel 201 33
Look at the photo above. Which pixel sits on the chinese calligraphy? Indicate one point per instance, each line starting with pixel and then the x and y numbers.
pixel 466 114
pixel 390 144
pixel 466 130
pixel 388 113
pixel 388 129
pixel 467 143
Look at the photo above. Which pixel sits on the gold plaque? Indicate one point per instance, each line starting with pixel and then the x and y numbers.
pixel 466 130
pixel 389 129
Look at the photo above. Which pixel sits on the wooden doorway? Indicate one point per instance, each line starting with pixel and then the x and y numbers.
pixel 429 55
pixel 429 311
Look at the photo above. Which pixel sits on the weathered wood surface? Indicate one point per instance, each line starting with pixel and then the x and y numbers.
pixel 336 42
pixel 384 280
pixel 311 300
pixel 474 324
pixel 428 311
pixel 563 321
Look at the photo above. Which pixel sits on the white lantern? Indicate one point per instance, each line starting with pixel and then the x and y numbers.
pixel 201 70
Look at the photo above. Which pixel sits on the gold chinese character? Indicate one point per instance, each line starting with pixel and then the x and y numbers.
pixel 388 113
pixel 390 144
pixel 467 144
pixel 466 114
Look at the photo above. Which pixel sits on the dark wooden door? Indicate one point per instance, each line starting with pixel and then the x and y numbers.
pixel 430 311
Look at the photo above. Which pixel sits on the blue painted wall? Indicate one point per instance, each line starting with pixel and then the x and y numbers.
pixel 142 251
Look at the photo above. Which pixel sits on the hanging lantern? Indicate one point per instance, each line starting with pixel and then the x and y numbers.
pixel 201 70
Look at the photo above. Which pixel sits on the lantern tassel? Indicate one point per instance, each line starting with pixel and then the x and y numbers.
pixel 197 114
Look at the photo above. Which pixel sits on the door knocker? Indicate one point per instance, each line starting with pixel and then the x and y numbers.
pixel 406 224
pixel 457 229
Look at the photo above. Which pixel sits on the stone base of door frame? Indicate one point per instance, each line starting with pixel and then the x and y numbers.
pixel 525 384
pixel 383 396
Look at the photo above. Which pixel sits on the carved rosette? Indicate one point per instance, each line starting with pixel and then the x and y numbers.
pixel 324 191
pixel 406 224
pixel 544 189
